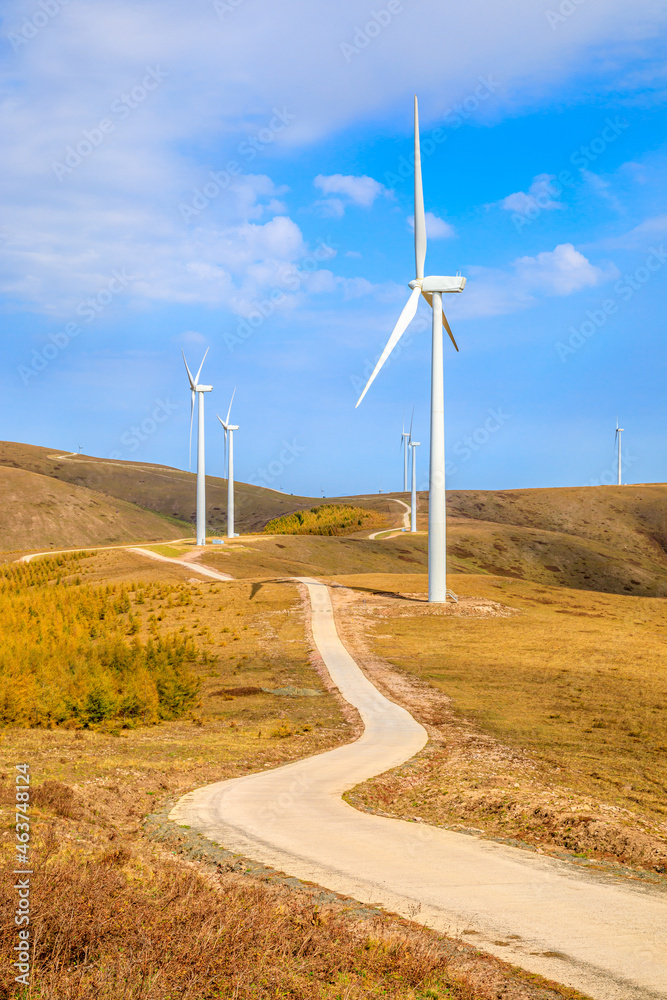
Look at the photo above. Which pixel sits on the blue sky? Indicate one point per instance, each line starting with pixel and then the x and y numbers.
pixel 236 175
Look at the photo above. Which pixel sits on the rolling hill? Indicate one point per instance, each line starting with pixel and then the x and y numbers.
pixel 41 512
pixel 603 538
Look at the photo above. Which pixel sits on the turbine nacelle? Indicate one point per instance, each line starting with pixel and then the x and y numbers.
pixel 202 388
pixel 439 283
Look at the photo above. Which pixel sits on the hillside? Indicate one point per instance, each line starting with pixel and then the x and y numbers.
pixel 163 489
pixel 606 538
pixel 40 512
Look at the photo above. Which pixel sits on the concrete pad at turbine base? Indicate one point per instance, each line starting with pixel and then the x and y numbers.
pixel 601 936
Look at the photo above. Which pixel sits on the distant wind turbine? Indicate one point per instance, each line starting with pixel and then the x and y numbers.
pixel 617 438
pixel 405 445
pixel 432 288
pixel 229 430
pixel 413 498
pixel 198 390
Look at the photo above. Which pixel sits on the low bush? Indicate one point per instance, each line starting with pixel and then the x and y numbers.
pixel 327 519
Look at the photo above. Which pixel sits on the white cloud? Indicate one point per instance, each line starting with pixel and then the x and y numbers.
pixel 640 238
pixel 436 228
pixel 539 197
pixel 119 207
pixel 502 291
pixel 561 271
pixel 361 191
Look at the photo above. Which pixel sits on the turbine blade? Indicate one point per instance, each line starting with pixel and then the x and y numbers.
pixel 404 320
pixel 192 413
pixel 429 298
pixel 448 329
pixel 224 427
pixel 411 419
pixel 192 384
pixel 230 404
pixel 201 366
pixel 420 218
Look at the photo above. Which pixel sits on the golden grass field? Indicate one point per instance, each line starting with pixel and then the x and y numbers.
pixel 117 915
pixel 573 680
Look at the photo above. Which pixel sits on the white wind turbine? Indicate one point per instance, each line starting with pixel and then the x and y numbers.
pixel 432 288
pixel 617 438
pixel 229 430
pixel 405 445
pixel 413 498
pixel 199 390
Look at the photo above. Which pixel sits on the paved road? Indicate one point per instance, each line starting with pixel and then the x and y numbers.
pixel 605 937
pixel 184 562
pixel 406 520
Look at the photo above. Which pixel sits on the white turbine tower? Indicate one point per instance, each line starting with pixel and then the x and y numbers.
pixel 229 430
pixel 617 438
pixel 405 445
pixel 432 288
pixel 413 498
pixel 199 390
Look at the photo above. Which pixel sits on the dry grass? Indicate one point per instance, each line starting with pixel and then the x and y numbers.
pixel 38 511
pixel 572 685
pixel 117 920
pixel 310 555
pixel 109 927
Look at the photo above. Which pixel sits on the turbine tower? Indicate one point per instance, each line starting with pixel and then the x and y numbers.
pixel 229 430
pixel 432 288
pixel 413 498
pixel 617 437
pixel 198 390
pixel 405 444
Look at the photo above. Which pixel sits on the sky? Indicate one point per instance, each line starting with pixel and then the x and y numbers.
pixel 236 175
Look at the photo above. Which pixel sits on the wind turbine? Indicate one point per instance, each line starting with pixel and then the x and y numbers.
pixel 432 288
pixel 198 390
pixel 229 430
pixel 405 444
pixel 413 498
pixel 617 437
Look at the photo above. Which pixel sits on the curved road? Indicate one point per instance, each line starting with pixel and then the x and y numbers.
pixel 406 520
pixel 602 936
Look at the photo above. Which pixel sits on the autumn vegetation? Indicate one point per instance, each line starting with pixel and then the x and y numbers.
pixel 71 653
pixel 327 519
